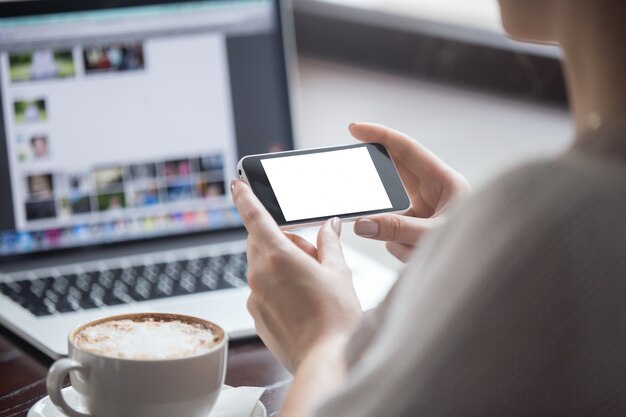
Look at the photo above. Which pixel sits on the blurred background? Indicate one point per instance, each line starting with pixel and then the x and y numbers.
pixel 442 71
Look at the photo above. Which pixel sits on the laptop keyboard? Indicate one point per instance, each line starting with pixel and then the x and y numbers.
pixel 82 290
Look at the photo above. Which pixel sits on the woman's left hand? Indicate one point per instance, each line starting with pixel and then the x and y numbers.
pixel 302 296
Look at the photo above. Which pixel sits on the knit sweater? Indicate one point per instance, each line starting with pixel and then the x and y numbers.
pixel 517 307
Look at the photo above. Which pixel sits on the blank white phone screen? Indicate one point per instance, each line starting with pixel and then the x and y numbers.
pixel 326 183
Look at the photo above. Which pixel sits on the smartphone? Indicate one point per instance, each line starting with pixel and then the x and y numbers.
pixel 306 187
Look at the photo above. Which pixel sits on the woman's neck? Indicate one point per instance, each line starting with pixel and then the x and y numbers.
pixel 593 40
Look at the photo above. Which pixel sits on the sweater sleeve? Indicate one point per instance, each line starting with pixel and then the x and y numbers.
pixel 515 308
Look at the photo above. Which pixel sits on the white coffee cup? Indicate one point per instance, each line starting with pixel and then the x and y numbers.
pixel 118 387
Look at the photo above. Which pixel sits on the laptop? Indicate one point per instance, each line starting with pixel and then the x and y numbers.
pixel 122 123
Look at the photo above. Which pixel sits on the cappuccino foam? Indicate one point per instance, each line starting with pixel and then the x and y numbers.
pixel 146 339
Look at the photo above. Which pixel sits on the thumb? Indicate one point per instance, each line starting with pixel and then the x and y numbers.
pixel 329 250
pixel 395 227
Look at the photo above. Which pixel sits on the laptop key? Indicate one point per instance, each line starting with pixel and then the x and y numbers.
pixel 97 294
pixel 12 290
pixel 196 265
pixel 52 296
pixel 84 281
pixel 111 299
pixel 60 285
pixel 186 284
pixel 141 290
pixel 63 306
pixel 75 294
pixel 105 279
pixel 129 276
pixel 38 309
pixel 233 280
pixel 87 303
pixel 224 283
pixel 71 281
pixel 209 281
pixel 39 287
pixel 50 305
pixel 164 287
pixel 173 269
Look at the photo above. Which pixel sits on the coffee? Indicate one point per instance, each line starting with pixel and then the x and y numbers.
pixel 147 337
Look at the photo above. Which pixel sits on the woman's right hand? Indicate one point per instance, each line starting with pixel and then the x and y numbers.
pixel 429 182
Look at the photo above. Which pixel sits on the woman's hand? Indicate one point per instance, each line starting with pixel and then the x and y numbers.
pixel 429 182
pixel 302 296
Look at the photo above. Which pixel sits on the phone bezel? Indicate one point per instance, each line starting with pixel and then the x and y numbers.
pixel 251 170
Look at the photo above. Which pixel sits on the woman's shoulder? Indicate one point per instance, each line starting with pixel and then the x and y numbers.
pixel 573 181
pixel 595 163
pixel 562 203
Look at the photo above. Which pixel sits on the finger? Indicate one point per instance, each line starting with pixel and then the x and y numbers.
pixel 400 250
pixel 329 245
pixel 395 227
pixel 255 217
pixel 403 149
pixel 303 244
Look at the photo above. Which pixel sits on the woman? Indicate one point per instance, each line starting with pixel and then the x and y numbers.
pixel 514 307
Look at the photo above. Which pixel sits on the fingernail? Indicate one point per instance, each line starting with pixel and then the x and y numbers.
pixel 232 185
pixel 366 228
pixel 351 124
pixel 335 223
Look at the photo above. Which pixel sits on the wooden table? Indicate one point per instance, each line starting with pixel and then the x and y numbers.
pixel 23 373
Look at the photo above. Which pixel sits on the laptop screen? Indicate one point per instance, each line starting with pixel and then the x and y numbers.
pixel 127 123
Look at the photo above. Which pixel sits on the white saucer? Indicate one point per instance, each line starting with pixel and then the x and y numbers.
pixel 45 408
